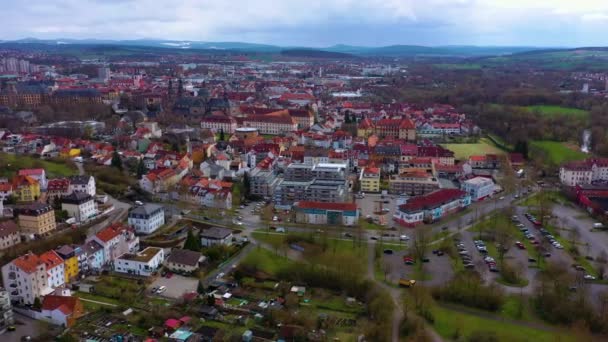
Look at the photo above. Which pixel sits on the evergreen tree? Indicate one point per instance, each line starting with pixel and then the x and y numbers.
pixel 141 168
pixel 180 88
pixel 246 185
pixel 192 242
pixel 116 161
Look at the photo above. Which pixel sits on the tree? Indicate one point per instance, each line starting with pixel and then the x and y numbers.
pixel 200 288
pixel 193 243
pixel 37 304
pixel 116 161
pixel 141 168
pixel 503 236
pixel 222 137
pixel 420 243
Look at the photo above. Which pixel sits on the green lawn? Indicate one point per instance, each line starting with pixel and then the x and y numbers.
pixel 448 322
pixel 558 110
pixel 10 164
pixel 555 152
pixel 464 151
pixel 265 260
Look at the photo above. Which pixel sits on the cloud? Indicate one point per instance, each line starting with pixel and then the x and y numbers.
pixel 314 22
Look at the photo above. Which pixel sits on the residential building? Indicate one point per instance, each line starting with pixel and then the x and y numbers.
pixel 36 219
pixel 94 256
pixel 7 317
pixel 369 179
pixel 62 310
pixel 70 259
pixel 143 263
pixel 431 207
pixel 183 260
pixel 55 268
pixel 26 188
pixel 584 172
pixel 37 174
pixel 308 212
pixel 116 240
pixel 413 183
pixel 396 128
pixel 304 118
pixel 216 236
pixel 219 122
pixel 478 188
pixel 320 182
pixel 263 181
pixel 147 218
pixel 6 190
pixel 9 234
pixel 79 205
pixel 84 184
pixel 57 188
pixel 444 155
pixel 26 279
pixel 275 123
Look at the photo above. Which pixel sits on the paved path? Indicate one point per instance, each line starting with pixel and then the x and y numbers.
pixel 97 302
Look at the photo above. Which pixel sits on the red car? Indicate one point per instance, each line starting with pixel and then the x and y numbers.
pixel 520 245
pixel 169 275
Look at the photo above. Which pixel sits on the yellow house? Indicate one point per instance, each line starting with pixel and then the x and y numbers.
pixel 70 258
pixel 369 179
pixel 36 218
pixel 26 188
pixel 365 128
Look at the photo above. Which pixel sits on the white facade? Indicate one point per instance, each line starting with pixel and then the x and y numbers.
pixel 147 219
pixel 142 263
pixel 478 187
pixel 575 177
pixel 25 279
pixel 81 212
pixel 88 186
pixel 56 276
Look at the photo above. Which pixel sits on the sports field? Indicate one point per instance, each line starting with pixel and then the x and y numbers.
pixel 555 152
pixel 464 151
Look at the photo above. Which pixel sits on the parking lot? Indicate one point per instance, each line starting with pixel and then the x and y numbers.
pixel 176 285
pixel 438 269
pixel 370 204
pixel 25 327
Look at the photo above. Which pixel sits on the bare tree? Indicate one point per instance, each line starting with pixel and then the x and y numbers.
pixel 420 243
pixel 503 236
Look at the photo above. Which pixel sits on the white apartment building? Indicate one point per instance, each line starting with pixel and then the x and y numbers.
pixel 55 268
pixel 584 172
pixel 26 279
pixel 80 206
pixel 147 218
pixel 84 184
pixel 143 263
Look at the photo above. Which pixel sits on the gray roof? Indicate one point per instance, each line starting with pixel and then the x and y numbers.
pixel 81 180
pixel 216 233
pixel 91 247
pixel 184 257
pixel 77 198
pixel 146 209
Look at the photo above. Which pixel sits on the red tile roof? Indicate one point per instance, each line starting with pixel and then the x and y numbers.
pixel 432 200
pixel 51 259
pixel 110 232
pixel 28 263
pixel 66 304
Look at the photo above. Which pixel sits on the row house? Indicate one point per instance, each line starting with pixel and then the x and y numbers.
pixel 210 197
pixel 36 219
pixel 159 180
pixel 443 155
pixel 488 161
pixel 55 268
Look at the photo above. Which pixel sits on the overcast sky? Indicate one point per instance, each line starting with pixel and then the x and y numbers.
pixel 315 22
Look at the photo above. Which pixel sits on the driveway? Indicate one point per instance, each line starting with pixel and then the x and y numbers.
pixel 25 327
pixel 177 285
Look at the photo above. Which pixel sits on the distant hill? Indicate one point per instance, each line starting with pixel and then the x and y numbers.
pixel 311 53
pixel 387 51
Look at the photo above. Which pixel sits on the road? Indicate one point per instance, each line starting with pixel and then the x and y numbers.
pixel 574 218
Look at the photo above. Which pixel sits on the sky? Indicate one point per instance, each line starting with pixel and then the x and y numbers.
pixel 315 23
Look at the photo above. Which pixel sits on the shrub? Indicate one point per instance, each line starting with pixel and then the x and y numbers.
pixel 468 289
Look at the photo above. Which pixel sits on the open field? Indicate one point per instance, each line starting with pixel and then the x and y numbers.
pixel 266 260
pixel 558 110
pixel 554 152
pixel 10 164
pixel 464 151
pixel 448 322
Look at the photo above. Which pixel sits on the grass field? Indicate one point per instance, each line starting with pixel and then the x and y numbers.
pixel 10 164
pixel 450 323
pixel 266 260
pixel 558 110
pixel 555 152
pixel 464 151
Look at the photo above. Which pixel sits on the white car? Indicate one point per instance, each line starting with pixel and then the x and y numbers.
pixel 501 198
pixel 589 277
pixel 404 238
pixel 275 218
